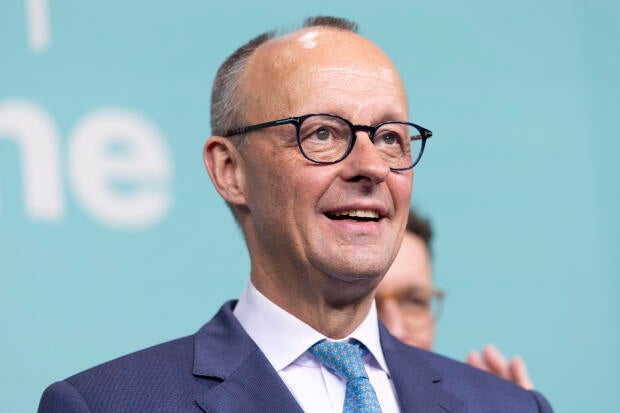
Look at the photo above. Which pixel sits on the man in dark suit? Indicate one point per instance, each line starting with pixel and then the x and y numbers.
pixel 313 152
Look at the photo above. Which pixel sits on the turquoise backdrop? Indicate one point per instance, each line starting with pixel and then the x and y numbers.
pixel 113 239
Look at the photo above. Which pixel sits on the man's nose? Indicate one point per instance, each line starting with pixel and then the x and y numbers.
pixel 366 161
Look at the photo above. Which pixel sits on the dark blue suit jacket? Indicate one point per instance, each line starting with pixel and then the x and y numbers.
pixel 220 369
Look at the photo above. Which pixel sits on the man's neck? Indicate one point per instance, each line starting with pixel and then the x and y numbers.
pixel 335 311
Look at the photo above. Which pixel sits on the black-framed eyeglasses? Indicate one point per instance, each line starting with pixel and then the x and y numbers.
pixel 325 138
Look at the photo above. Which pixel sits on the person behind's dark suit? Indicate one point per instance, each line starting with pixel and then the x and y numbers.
pixel 322 201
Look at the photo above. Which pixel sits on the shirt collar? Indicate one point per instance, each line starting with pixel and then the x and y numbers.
pixel 283 337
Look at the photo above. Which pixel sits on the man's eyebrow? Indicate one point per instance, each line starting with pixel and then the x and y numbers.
pixel 385 117
pixel 391 116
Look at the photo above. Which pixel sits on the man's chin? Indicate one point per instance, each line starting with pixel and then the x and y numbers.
pixel 345 290
pixel 357 275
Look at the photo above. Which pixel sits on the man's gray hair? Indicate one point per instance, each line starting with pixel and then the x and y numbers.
pixel 226 96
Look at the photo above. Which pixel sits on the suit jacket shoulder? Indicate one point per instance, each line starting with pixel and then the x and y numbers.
pixel 429 382
pixel 135 382
pixel 219 369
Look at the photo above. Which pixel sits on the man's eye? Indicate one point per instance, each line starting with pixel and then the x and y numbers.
pixel 322 134
pixel 389 138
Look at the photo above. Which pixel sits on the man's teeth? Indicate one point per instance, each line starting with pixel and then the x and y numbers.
pixel 359 213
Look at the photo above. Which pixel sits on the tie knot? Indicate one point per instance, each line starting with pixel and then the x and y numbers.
pixel 345 359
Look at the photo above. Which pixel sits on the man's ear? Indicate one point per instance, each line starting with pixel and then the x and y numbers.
pixel 225 166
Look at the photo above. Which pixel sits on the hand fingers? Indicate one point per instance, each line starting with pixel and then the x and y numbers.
pixel 518 373
pixel 496 362
pixel 475 360
pixel 490 359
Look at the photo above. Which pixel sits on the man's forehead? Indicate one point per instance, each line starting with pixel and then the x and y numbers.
pixel 318 56
pixel 386 73
pixel 316 42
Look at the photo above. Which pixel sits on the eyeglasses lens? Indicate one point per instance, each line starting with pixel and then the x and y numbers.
pixel 327 139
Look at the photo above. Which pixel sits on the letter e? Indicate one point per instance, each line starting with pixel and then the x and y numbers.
pixel 99 174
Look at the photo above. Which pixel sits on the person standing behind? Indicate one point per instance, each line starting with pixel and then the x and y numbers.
pixel 408 303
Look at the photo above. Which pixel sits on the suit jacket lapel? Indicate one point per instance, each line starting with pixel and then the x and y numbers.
pixel 241 378
pixel 224 353
pixel 418 385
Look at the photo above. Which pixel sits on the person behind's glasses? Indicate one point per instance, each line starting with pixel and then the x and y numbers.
pixel 408 303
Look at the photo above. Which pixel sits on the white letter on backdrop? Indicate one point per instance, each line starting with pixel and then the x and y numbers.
pixel 34 131
pixel 38 24
pixel 119 169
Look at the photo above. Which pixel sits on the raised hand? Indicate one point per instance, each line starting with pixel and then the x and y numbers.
pixel 492 360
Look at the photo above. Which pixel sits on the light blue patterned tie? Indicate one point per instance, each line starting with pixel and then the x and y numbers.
pixel 345 359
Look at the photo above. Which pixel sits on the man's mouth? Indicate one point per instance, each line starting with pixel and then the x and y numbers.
pixel 360 215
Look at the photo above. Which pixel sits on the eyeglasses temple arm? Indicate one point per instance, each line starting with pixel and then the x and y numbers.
pixel 245 129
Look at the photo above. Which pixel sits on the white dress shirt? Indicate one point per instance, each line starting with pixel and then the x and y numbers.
pixel 285 340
